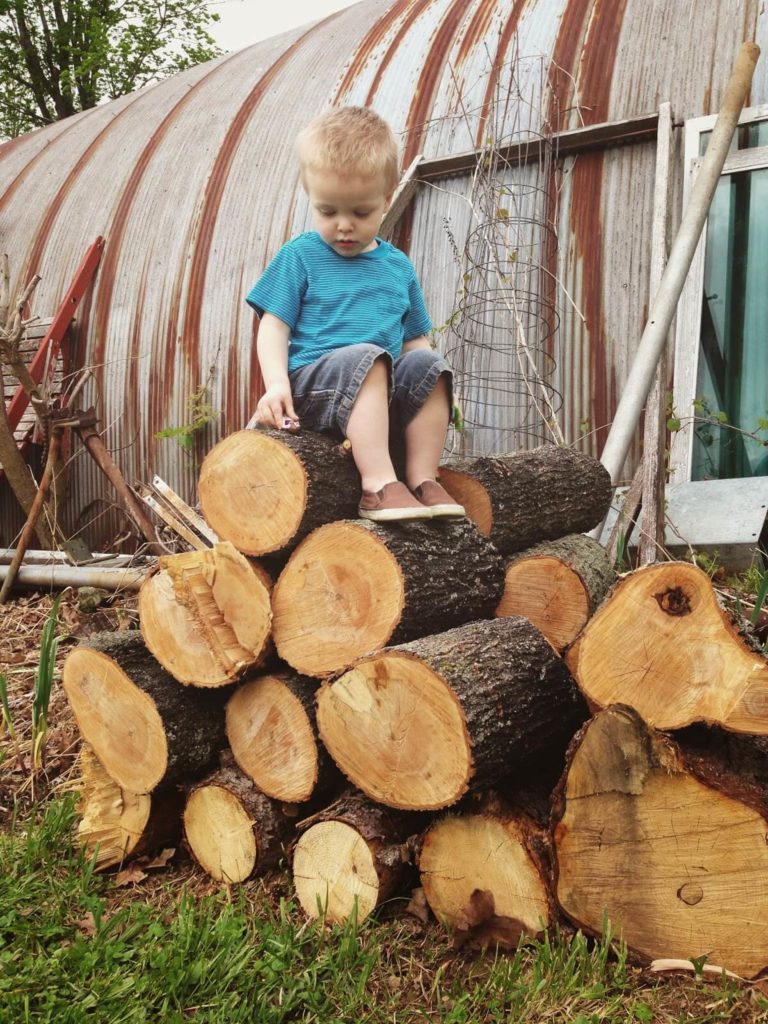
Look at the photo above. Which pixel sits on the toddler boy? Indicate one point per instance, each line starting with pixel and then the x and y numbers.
pixel 342 341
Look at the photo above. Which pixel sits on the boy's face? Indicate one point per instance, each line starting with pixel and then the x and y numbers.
pixel 346 211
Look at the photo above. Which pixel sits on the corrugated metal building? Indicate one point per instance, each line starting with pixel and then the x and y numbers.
pixel 194 186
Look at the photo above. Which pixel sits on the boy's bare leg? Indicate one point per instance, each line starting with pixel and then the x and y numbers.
pixel 368 429
pixel 425 436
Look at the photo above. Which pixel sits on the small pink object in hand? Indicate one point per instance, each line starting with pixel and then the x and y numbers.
pixel 289 424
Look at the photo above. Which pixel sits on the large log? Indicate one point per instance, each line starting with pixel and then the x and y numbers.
pixel 494 852
pixel 234 830
pixel 264 490
pixel 415 726
pixel 353 587
pixel 206 615
pixel 558 585
pixel 522 499
pixel 662 643
pixel 115 824
pixel 144 727
pixel 272 731
pixel 350 858
pixel 675 860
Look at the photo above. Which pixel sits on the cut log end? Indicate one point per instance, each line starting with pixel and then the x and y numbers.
pixel 253 491
pixel 220 834
pixel 471 495
pixel 679 867
pixel 340 595
pixel 117 719
pixel 550 595
pixel 272 739
pixel 113 819
pixel 375 720
pixel 334 873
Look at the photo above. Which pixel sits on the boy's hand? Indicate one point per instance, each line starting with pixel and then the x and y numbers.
pixel 276 405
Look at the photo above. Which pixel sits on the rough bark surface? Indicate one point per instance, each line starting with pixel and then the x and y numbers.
pixel 677 865
pixel 332 488
pixel 192 720
pixel 532 496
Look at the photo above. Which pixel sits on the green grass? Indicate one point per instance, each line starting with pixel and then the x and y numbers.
pixel 75 949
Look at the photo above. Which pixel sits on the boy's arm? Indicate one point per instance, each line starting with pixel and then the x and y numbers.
pixel 272 350
pixel 420 342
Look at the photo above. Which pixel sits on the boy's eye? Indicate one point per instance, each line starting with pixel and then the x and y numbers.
pixel 361 213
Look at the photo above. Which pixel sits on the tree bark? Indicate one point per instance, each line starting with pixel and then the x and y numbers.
pixel 272 731
pixel 676 863
pixel 350 858
pixel 415 726
pixel 234 830
pixel 206 615
pixel 662 643
pixel 558 586
pixel 265 490
pixel 522 499
pixel 353 587
pixel 144 727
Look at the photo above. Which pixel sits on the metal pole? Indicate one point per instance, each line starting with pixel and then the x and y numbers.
pixel 665 301
pixel 58 576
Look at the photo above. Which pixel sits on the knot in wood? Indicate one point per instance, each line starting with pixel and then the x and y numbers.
pixel 690 893
pixel 674 601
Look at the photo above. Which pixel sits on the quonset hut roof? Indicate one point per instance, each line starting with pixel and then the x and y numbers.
pixel 193 184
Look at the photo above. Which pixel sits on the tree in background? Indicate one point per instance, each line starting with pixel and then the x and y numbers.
pixel 58 57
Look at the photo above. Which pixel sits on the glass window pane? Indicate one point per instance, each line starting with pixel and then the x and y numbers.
pixel 747 136
pixel 732 386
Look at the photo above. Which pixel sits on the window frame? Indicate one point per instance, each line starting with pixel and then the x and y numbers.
pixel 688 327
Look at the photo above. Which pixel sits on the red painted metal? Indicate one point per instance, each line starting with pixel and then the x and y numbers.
pixel 51 343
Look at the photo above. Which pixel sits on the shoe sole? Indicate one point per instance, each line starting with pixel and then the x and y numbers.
pixel 447 511
pixel 393 515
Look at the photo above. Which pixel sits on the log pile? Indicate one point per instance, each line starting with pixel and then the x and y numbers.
pixel 441 670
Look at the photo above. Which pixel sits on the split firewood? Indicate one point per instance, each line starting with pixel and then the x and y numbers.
pixel 144 727
pixel 558 585
pixel 350 858
pixel 662 643
pixel 117 825
pixel 415 726
pixel 264 490
pixel 500 853
pixel 234 830
pixel 522 499
pixel 206 615
pixel 272 732
pixel 353 587
pixel 672 858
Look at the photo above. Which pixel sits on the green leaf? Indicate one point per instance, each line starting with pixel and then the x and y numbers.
pixel 673 423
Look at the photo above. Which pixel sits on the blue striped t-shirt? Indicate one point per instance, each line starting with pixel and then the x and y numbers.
pixel 329 301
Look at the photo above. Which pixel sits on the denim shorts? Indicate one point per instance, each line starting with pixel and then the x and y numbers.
pixel 325 391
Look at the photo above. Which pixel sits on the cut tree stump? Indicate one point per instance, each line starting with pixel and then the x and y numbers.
pixel 415 726
pixel 233 829
pixel 144 727
pixel 558 585
pixel 115 824
pixel 662 643
pixel 350 858
pixel 353 587
pixel 272 730
pixel 264 490
pixel 490 857
pixel 678 865
pixel 522 499
pixel 206 615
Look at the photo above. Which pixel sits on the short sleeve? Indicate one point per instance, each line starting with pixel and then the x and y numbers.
pixel 417 320
pixel 281 287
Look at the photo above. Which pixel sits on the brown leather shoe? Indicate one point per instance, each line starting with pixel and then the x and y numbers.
pixel 393 503
pixel 438 500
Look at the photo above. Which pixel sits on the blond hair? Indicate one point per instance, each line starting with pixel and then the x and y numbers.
pixel 350 141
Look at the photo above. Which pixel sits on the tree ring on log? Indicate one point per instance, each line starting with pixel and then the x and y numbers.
pixel 334 873
pixel 117 719
pixel 340 595
pixel 405 741
pixel 690 893
pixel 247 469
pixel 674 601
pixel 272 739
pixel 549 594
pixel 220 832
pixel 472 495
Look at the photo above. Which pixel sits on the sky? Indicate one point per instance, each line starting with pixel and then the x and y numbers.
pixel 246 21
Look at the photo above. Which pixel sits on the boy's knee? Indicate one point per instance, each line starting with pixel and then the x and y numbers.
pixel 420 360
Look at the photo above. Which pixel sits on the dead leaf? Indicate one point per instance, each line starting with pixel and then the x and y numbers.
pixel 87 924
pixel 418 906
pixel 661 966
pixel 160 861
pixel 131 875
pixel 17 658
